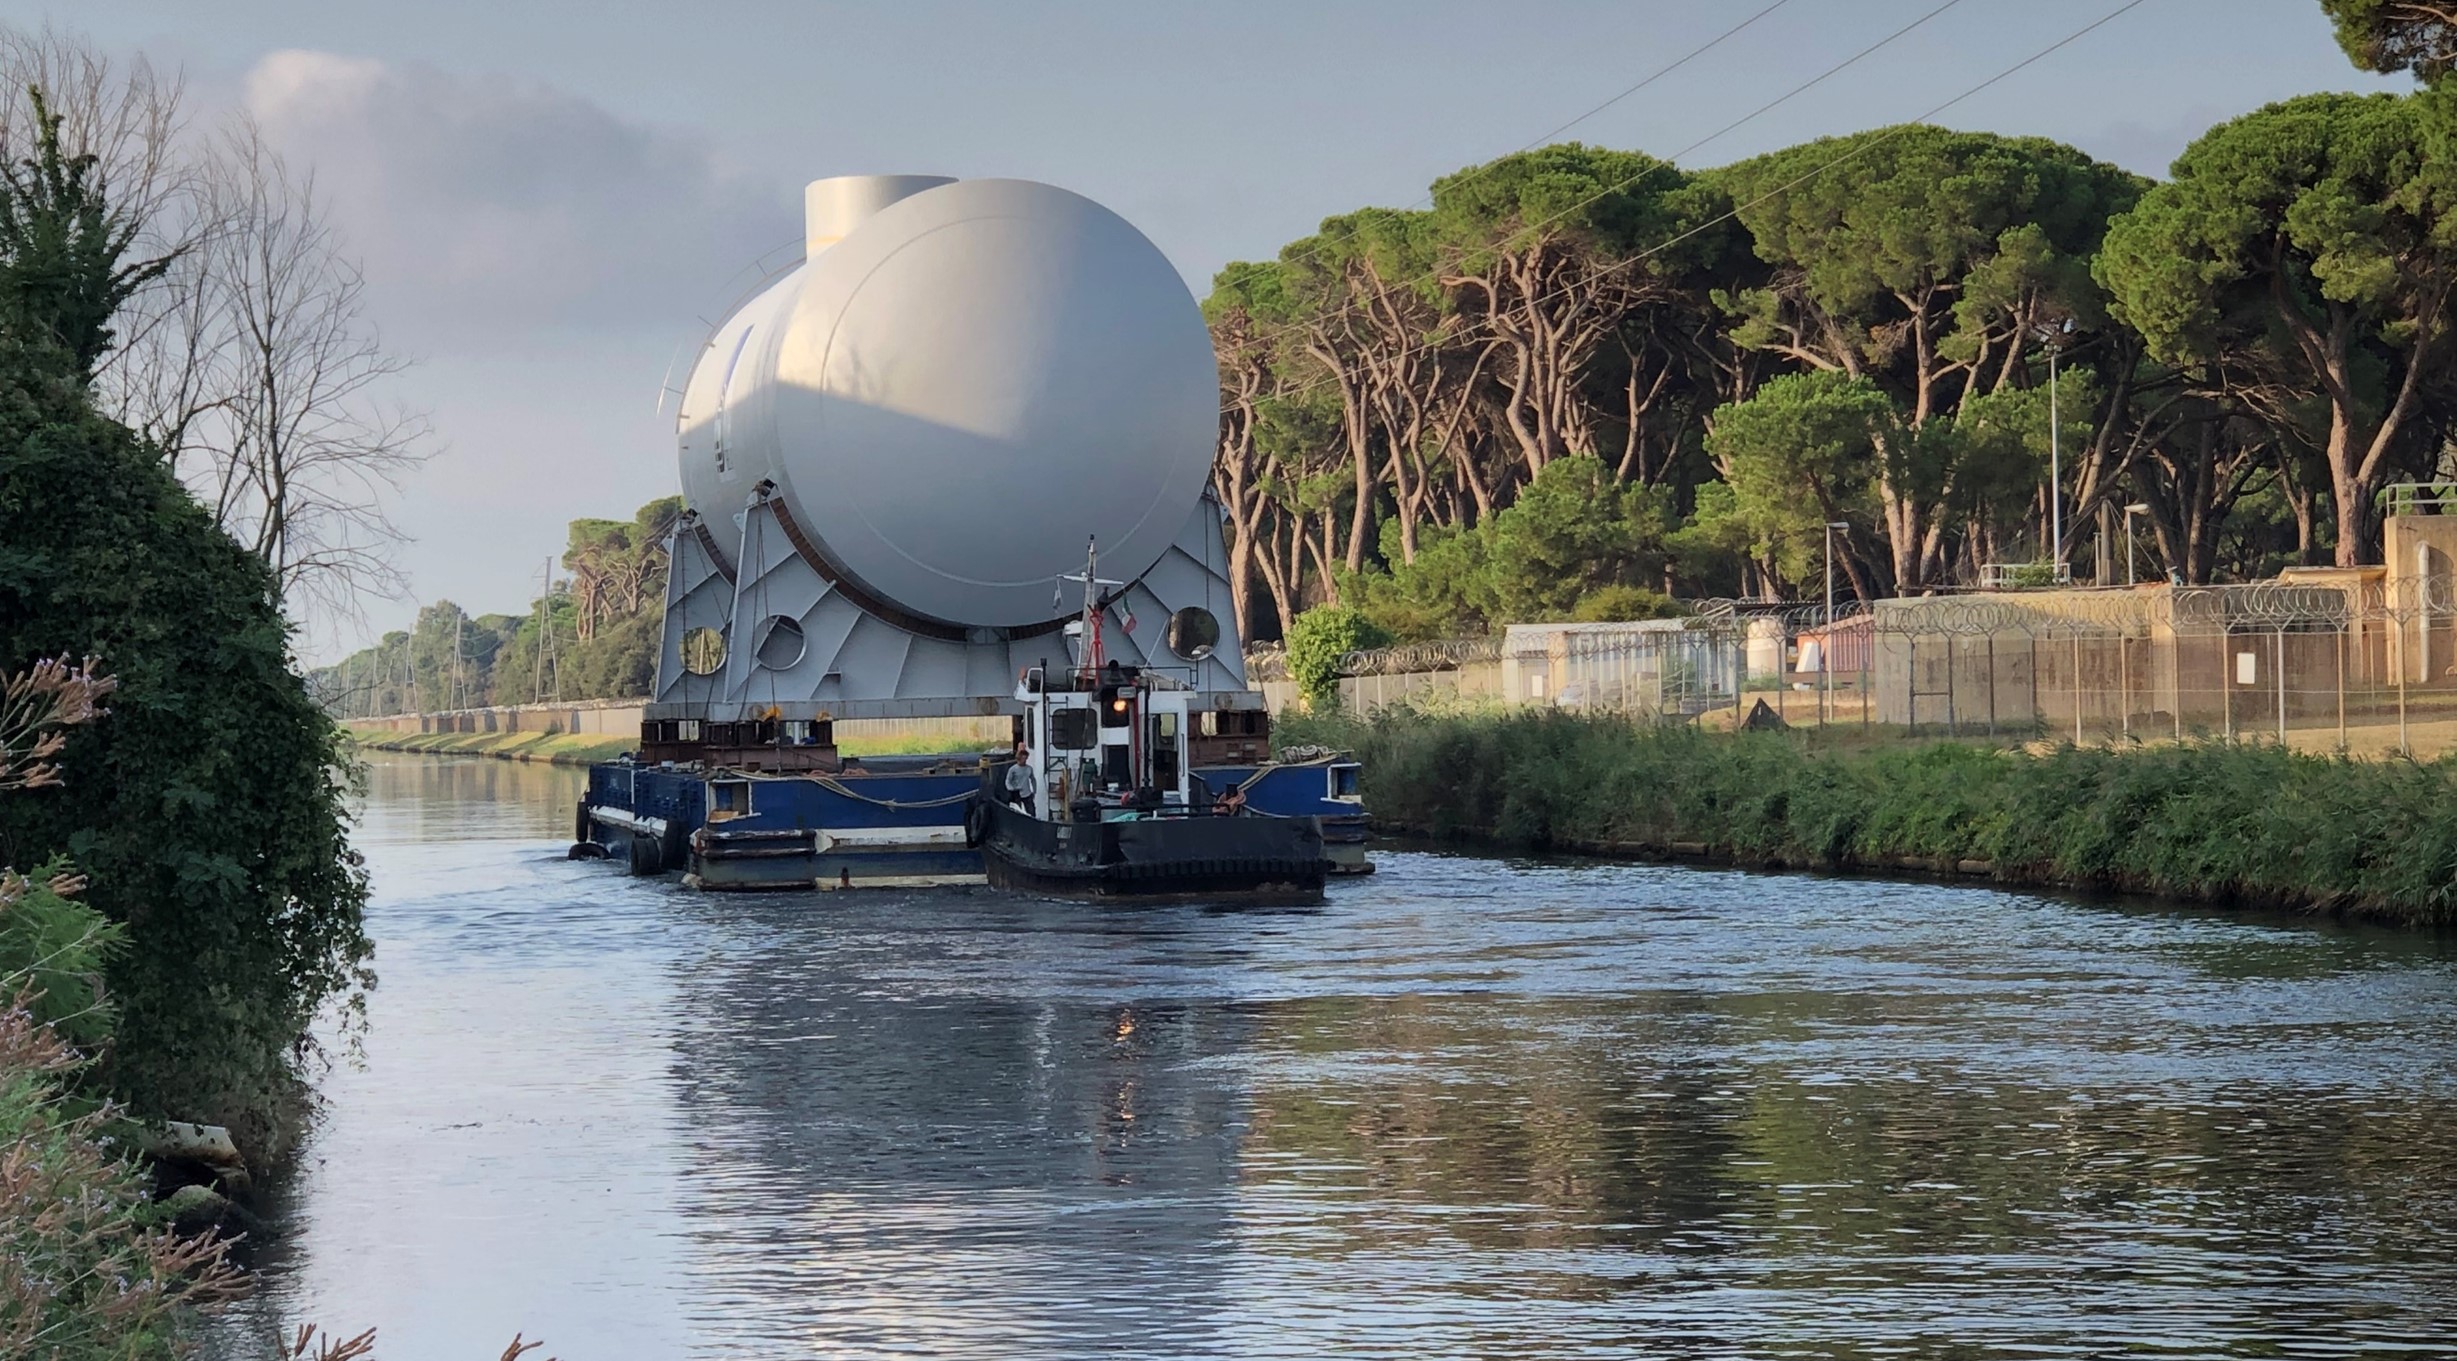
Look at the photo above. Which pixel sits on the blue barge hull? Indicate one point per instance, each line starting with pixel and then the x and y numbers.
pixel 880 822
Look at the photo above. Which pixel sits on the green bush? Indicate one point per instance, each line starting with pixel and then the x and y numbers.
pixel 1621 603
pixel 85 1269
pixel 1574 534
pixel 52 951
pixel 1317 641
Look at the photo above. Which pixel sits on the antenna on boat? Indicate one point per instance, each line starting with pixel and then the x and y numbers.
pixel 1089 665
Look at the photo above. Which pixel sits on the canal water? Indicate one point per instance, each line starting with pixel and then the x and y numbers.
pixel 1471 1107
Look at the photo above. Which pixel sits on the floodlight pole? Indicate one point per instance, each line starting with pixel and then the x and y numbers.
pixel 2137 508
pixel 2053 337
pixel 1825 650
pixel 2056 477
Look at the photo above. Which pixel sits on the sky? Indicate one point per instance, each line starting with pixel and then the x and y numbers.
pixel 552 201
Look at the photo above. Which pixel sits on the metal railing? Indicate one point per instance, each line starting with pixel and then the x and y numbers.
pixel 2419 498
pixel 2024 576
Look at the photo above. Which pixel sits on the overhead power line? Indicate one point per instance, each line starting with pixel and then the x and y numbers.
pixel 1608 190
pixel 1658 74
pixel 1804 177
pixel 1546 139
pixel 1800 89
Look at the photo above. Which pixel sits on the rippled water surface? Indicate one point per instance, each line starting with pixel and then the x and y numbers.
pixel 1471 1107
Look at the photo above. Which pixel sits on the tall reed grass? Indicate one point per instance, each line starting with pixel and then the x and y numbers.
pixel 2223 823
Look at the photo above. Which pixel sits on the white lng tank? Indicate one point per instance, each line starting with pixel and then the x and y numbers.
pixel 962 383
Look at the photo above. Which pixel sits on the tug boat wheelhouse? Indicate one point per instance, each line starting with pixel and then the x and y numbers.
pixel 1101 801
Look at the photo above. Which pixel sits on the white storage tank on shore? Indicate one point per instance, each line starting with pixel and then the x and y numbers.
pixel 962 383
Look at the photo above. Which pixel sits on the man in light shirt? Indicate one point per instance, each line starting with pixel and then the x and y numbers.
pixel 1020 784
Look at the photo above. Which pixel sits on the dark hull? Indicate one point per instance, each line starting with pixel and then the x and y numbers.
pixel 1255 858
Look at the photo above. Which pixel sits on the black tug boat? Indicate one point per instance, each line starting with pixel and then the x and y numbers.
pixel 1099 801
pixel 1195 855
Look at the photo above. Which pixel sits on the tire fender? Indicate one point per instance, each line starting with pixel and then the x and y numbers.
pixel 647 856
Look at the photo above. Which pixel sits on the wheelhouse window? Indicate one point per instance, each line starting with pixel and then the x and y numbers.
pixel 1073 730
pixel 1164 752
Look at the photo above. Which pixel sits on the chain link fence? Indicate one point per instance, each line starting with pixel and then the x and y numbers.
pixel 2339 658
pixel 2329 659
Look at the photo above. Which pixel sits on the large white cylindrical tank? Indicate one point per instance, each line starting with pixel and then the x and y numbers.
pixel 962 383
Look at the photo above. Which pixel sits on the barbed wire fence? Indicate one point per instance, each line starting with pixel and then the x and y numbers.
pixel 2352 663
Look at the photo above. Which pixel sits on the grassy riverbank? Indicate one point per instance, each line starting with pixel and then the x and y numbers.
pixel 2213 822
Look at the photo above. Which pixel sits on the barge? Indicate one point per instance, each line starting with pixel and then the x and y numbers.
pixel 892 821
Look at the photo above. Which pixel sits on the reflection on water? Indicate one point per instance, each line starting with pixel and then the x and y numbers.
pixel 1471 1107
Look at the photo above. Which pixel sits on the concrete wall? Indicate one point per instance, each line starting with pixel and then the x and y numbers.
pixel 1364 694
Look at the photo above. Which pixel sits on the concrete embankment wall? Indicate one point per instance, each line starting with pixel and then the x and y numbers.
pixel 609 717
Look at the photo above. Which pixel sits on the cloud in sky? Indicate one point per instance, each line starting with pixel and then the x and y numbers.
pixel 485 208
pixel 538 257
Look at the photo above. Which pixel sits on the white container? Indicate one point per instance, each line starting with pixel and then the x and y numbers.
pixel 962 383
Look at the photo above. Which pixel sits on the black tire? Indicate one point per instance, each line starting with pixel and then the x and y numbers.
pixel 581 830
pixel 976 823
pixel 647 857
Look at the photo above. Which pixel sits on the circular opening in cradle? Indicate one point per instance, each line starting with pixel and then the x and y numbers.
pixel 703 651
pixel 1193 633
pixel 781 643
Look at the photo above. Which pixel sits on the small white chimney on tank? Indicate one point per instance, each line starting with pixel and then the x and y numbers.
pixel 832 208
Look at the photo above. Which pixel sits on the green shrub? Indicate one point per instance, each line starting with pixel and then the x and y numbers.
pixel 52 952
pixel 85 1269
pixel 1317 641
pixel 1621 603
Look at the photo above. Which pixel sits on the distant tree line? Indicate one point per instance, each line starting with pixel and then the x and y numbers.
pixel 1583 371
pixel 593 635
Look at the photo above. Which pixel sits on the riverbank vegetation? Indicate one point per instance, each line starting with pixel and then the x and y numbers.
pixel 1862 329
pixel 2215 822
pixel 86 1267
pixel 594 634
pixel 208 814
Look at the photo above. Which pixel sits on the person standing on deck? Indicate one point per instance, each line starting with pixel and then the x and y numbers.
pixel 1020 784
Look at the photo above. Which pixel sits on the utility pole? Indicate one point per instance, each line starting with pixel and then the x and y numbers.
pixel 547 662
